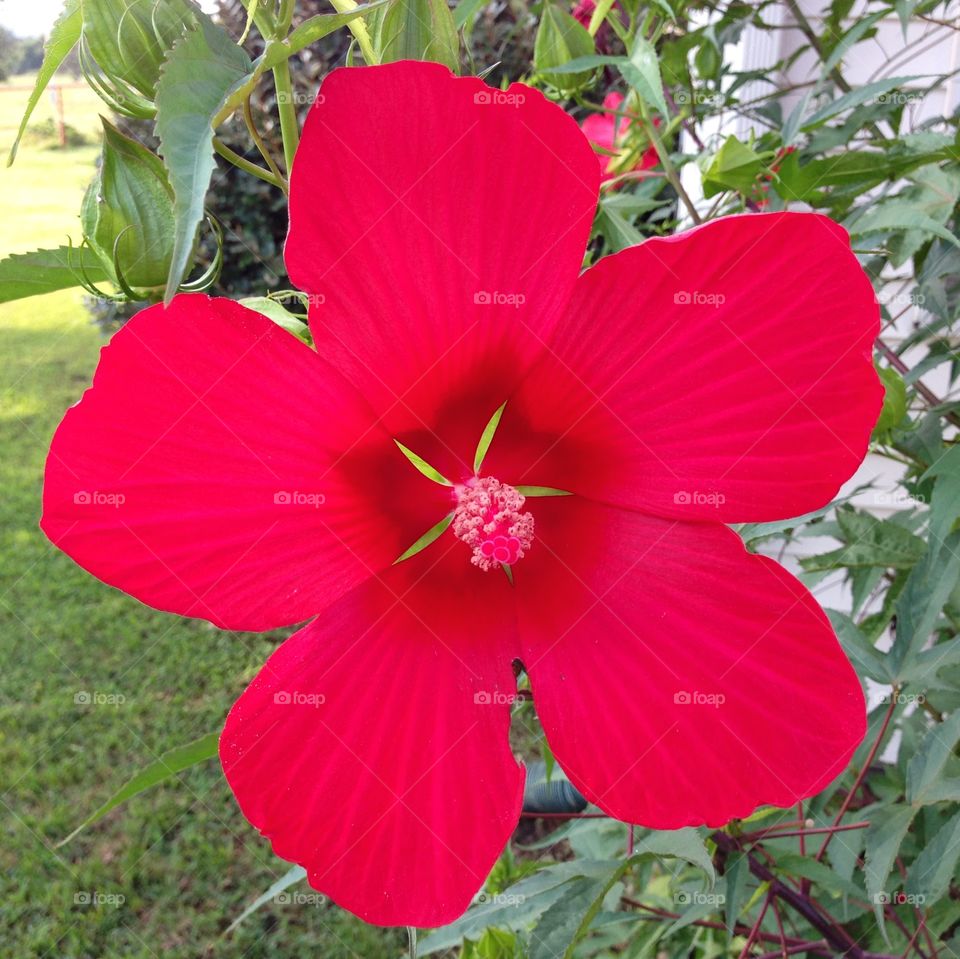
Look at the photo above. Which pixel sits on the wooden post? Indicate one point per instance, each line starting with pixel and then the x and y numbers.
pixel 57 93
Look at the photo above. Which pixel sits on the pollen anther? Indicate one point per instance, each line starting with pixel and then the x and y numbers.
pixel 490 519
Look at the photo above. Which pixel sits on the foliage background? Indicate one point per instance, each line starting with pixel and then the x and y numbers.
pixel 181 856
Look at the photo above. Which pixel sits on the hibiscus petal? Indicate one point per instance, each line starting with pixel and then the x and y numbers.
pixel 372 748
pixel 204 472
pixel 439 225
pixel 680 680
pixel 724 373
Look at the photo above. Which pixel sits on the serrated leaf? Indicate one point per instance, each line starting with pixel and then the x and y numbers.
pixel 44 271
pixel 930 761
pixel 894 402
pixel 686 844
pixel 927 589
pixel 166 766
pixel 419 30
pixel 870 541
pixel 642 71
pixel 932 871
pixel 884 836
pixel 64 35
pixel 290 878
pixel 567 920
pixel 522 904
pixel 199 75
pixel 898 214
pixel 866 658
pixel 559 40
pixel 945 501
pixel 855 98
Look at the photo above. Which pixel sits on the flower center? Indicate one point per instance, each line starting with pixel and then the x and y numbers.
pixel 490 519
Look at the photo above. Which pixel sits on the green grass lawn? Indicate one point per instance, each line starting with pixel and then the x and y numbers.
pixel 182 857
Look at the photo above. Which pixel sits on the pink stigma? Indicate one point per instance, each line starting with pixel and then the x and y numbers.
pixel 489 518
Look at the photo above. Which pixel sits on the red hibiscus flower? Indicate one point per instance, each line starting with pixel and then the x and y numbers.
pixel 609 132
pixel 220 468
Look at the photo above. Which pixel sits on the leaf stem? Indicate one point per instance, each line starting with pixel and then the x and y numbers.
pixel 244 164
pixel 289 129
pixel 359 30
pixel 668 168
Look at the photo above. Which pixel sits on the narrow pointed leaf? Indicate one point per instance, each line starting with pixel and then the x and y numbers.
pixel 199 75
pixel 63 38
pixel 423 466
pixel 428 537
pixel 486 438
pixel 541 491
pixel 167 765
pixel 290 878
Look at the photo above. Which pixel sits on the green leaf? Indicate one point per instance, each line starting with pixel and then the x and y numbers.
pixel 128 211
pixel 686 844
pixel 560 39
pixel 43 271
pixel 929 762
pixel 64 35
pixel 886 832
pixel 851 37
pixel 423 466
pixel 518 907
pixel 869 542
pixel 567 920
pixel 866 658
pixel 855 98
pixel 541 491
pixel 198 77
pixel 169 764
pixel 734 167
pixel 894 402
pixel 932 871
pixel 280 315
pixel 898 214
pixel 419 30
pixel 431 535
pixel 642 72
pixel 927 589
pixel 486 438
pixel 945 501
pixel 290 878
